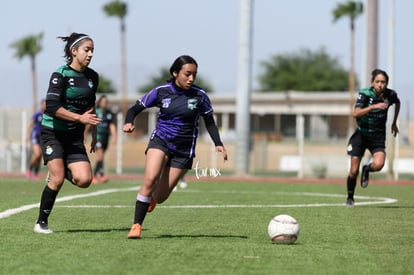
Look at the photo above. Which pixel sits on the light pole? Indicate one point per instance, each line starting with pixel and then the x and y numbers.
pixel 244 88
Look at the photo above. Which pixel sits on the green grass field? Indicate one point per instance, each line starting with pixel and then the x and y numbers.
pixel 210 228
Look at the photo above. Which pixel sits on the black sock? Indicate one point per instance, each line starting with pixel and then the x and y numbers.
pixel 141 209
pixel 31 167
pixel 46 204
pixel 350 184
pixel 99 168
pixel 36 169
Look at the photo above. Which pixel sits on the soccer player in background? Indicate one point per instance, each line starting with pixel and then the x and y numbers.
pixel 171 148
pixel 105 129
pixel 370 111
pixel 70 102
pixel 34 138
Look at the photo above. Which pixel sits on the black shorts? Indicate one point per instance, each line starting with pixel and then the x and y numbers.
pixel 358 143
pixel 102 144
pixel 62 145
pixel 175 160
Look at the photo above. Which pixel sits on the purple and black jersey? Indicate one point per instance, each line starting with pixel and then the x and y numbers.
pixel 37 121
pixel 35 132
pixel 178 119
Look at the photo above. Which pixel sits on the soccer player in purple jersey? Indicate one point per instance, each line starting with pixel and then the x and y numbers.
pixel 34 138
pixel 171 148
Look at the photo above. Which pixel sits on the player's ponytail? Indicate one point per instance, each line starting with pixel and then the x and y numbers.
pixel 72 41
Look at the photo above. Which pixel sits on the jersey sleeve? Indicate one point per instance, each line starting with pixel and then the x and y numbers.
pixel 205 107
pixel 54 93
pixel 361 101
pixel 394 98
pixel 150 99
pixel 34 116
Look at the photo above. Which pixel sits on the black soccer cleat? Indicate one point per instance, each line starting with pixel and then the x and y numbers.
pixel 365 176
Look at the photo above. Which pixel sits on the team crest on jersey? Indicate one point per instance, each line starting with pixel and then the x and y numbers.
pixel 192 104
pixel 90 83
pixel 166 102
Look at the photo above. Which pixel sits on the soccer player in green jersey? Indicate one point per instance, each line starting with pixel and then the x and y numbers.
pixel 105 130
pixel 70 102
pixel 370 111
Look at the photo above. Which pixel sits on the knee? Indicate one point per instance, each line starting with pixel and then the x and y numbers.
pixel 82 181
pixel 377 166
pixel 353 173
pixel 55 182
pixel 159 198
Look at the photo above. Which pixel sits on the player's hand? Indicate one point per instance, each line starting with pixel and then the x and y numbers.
pixel 128 128
pixel 89 118
pixel 222 150
pixel 394 129
pixel 93 145
pixel 380 106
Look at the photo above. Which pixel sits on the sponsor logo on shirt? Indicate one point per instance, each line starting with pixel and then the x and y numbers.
pixel 192 104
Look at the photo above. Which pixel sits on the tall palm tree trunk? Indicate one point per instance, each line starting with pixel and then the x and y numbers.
pixel 351 81
pixel 34 84
pixel 123 68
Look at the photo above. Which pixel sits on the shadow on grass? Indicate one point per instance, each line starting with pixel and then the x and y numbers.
pixel 394 206
pixel 125 229
pixel 179 236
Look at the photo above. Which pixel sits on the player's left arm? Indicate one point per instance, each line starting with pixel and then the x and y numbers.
pixel 93 128
pixel 214 134
pixel 394 127
pixel 112 130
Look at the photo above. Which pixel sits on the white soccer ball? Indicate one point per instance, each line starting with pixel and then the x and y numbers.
pixel 283 229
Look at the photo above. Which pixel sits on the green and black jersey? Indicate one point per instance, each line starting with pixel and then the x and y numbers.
pixel 103 128
pixel 373 124
pixel 72 90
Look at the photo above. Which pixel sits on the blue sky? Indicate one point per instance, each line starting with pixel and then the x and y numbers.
pixel 159 30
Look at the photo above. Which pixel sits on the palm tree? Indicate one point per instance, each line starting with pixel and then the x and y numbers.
pixel 352 10
pixel 29 46
pixel 119 9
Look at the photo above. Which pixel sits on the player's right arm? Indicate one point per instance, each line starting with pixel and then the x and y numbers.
pixel 148 100
pixel 362 108
pixel 29 129
pixel 132 112
pixel 57 86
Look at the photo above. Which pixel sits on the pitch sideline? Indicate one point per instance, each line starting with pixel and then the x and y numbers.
pixel 13 211
pixel 374 200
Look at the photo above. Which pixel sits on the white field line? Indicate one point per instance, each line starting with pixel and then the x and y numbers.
pixel 372 201
pixel 13 211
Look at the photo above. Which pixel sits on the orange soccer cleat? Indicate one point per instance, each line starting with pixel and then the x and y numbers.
pixel 135 232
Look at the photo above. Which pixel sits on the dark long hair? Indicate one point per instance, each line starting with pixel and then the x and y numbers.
pixel 377 72
pixel 73 41
pixel 179 63
pixel 98 103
